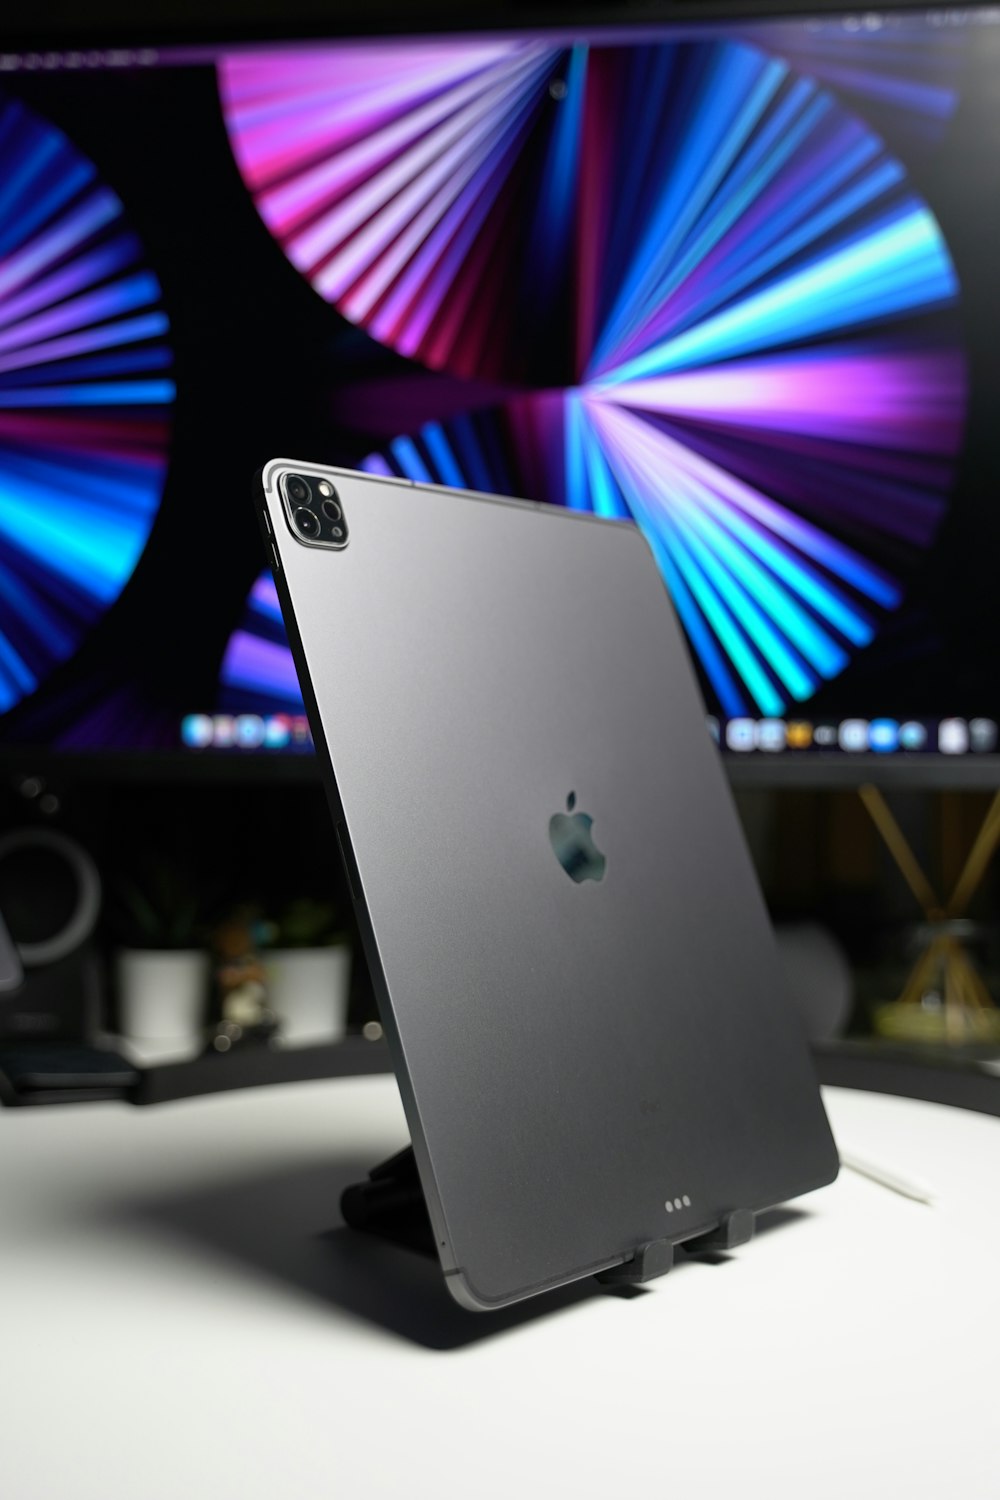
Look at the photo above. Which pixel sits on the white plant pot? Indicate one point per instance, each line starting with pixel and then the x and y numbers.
pixel 161 1000
pixel 308 990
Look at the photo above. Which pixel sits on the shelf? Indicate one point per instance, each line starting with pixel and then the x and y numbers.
pixel 962 1082
pixel 880 1068
pixel 252 1067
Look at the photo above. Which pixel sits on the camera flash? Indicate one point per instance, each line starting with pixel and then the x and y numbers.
pixel 325 487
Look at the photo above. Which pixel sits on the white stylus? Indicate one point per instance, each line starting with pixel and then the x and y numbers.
pixel 907 1187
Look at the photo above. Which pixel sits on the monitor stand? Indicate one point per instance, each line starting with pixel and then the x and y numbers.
pixel 390 1204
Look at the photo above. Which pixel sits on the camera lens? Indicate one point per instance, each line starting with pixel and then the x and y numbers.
pixel 297 490
pixel 331 510
pixel 307 523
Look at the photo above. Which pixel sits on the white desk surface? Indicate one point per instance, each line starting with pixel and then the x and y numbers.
pixel 180 1317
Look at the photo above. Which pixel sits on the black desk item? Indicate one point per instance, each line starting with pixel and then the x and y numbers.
pixel 63 1074
pixel 11 972
pixel 573 962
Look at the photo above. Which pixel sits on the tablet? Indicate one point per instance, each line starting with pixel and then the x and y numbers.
pixel 573 962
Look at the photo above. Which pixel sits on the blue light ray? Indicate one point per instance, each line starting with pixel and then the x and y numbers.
pixel 404 451
pixel 83 429
pixel 441 452
pixel 761 629
pixel 900 267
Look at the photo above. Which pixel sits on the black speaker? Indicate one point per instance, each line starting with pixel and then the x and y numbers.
pixel 50 901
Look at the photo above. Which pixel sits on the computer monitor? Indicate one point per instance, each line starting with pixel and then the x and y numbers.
pixel 732 280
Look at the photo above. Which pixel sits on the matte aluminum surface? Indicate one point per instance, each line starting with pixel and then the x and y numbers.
pixel 589 1065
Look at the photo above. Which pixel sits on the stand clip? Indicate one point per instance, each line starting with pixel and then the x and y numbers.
pixel 657 1257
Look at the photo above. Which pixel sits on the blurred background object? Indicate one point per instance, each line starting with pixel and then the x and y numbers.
pixel 308 966
pixel 819 978
pixel 161 965
pixel 50 897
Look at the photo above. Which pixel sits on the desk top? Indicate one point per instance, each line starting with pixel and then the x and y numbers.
pixel 181 1315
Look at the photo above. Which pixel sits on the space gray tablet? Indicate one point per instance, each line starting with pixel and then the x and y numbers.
pixel 574 966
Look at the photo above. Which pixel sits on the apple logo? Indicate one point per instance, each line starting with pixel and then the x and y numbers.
pixel 570 837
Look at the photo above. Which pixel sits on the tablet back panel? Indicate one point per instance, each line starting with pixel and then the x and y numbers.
pixel 574 1054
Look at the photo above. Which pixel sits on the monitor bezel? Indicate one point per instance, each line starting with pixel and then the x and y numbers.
pixel 171 23
pixel 809 771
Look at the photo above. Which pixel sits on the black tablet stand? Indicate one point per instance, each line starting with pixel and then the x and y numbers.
pixel 657 1257
pixel 390 1204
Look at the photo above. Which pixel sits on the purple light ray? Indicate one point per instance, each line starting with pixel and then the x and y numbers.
pixel 291 107
pixel 911 399
pixel 82 311
pixel 363 142
pixel 96 212
pixel 266 666
pixel 84 271
pixel 264 596
pixel 441 163
pixel 422 289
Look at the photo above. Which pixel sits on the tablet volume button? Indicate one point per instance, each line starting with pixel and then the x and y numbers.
pixel 347 855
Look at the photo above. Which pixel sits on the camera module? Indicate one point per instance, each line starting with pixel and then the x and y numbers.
pixel 313 510
pixel 307 523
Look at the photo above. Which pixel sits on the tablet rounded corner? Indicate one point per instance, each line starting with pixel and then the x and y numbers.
pixel 467 1297
pixel 270 472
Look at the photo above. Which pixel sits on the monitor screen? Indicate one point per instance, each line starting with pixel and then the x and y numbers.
pixel 733 282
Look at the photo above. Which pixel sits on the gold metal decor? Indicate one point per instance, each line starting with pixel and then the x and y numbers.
pixel 966 1013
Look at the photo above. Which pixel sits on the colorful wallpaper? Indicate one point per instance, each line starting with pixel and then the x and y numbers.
pixel 257 673
pixel 85 399
pixel 727 281
pixel 717 303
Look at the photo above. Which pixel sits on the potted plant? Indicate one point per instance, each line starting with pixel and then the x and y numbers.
pixel 308 965
pixel 161 967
